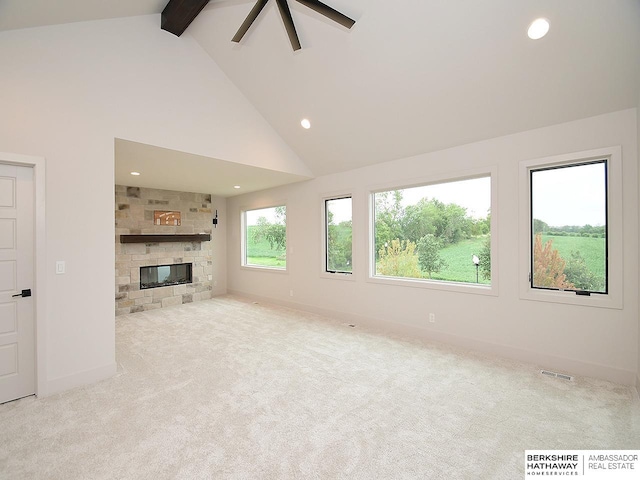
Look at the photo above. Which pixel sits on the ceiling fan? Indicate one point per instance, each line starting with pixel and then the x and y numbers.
pixel 283 6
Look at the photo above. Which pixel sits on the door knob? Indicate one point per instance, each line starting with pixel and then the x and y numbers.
pixel 24 293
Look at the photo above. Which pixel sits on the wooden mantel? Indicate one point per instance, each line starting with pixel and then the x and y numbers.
pixel 175 237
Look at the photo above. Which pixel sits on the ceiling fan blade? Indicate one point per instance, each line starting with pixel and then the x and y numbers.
pixel 288 24
pixel 253 14
pixel 328 12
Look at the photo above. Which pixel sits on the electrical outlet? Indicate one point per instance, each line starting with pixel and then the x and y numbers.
pixel 291 293
pixel 432 318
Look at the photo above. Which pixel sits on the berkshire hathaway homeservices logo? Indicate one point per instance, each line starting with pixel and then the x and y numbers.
pixel 583 464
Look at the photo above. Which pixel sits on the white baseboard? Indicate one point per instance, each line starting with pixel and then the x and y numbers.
pixel 539 360
pixel 638 384
pixel 86 377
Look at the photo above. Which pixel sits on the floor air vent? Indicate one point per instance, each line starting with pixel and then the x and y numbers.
pixel 561 376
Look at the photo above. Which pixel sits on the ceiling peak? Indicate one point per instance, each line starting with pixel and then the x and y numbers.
pixel 178 15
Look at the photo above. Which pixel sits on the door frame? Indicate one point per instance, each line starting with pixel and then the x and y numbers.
pixel 39 261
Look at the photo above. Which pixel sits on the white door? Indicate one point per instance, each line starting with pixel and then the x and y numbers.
pixel 17 338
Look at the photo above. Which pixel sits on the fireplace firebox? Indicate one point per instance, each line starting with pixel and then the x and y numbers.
pixel 165 275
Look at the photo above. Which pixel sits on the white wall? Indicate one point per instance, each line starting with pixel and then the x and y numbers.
pixel 638 354
pixel 599 342
pixel 219 242
pixel 66 92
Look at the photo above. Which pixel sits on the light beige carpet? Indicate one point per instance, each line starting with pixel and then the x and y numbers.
pixel 228 389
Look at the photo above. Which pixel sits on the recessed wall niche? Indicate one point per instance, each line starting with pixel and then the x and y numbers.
pixel 135 209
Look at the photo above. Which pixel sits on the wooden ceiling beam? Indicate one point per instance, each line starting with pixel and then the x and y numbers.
pixel 178 15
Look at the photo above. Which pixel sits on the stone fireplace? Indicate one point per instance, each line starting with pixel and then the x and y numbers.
pixel 180 257
pixel 155 276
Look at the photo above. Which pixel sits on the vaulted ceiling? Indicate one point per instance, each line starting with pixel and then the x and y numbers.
pixel 411 76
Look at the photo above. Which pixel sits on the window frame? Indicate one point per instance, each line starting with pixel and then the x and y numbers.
pixel 325 239
pixel 613 297
pixel 480 289
pixel 243 239
pixel 531 171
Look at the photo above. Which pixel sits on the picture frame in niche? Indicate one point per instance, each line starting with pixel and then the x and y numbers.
pixel 163 217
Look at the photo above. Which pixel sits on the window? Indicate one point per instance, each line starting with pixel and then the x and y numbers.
pixel 436 233
pixel 569 227
pixel 338 235
pixel 265 237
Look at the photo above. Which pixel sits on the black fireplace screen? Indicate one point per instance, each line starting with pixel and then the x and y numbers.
pixel 165 275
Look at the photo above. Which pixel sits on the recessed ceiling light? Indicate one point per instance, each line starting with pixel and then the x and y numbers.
pixel 135 173
pixel 538 28
pixel 236 186
pixel 305 123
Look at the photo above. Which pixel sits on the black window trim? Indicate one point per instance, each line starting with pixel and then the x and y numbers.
pixel 326 235
pixel 577 163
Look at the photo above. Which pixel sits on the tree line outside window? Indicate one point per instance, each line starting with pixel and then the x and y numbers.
pixel 569 242
pixel 442 232
pixel 433 232
pixel 265 237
